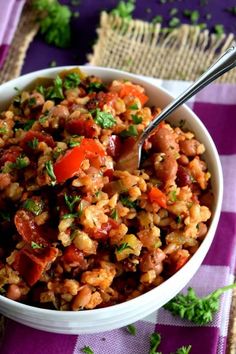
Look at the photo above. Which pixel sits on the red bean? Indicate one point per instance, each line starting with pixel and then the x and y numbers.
pixel 183 177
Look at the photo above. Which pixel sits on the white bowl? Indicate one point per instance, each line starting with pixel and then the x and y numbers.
pixel 116 316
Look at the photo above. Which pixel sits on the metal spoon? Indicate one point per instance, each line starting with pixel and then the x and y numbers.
pixel 130 161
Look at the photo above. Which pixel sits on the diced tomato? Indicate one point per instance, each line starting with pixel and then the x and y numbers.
pixel 10 155
pixel 177 260
pixel 82 126
pixel 108 98
pixel 157 196
pixel 74 257
pixel 130 90
pixel 109 173
pixel 69 164
pixel 114 146
pixel 32 263
pixel 91 148
pixel 103 232
pixel 28 229
pixel 31 134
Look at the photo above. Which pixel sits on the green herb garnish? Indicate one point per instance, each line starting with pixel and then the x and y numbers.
pixel 174 22
pixel 122 247
pixel 131 329
pixel 33 143
pixel 40 89
pixel 219 30
pixel 157 19
pixel 35 245
pixel 197 310
pixel 31 101
pixel 35 207
pixel 72 142
pixel 136 119
pixel 131 131
pixel 95 86
pixel 71 215
pixel 20 163
pixel 124 9
pixel 173 196
pixel 133 107
pixel 50 171
pixel 103 119
pixel 155 340
pixel 55 91
pixel 87 350
pixel 184 350
pixel 71 200
pixel 71 80
pixel 54 22
pixel 178 219
pixel 3 131
pixel 127 202
pixel 114 214
pixel 28 125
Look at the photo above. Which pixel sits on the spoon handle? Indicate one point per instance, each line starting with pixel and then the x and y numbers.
pixel 226 62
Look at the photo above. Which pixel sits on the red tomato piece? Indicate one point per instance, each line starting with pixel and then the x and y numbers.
pixel 74 257
pixel 106 98
pixel 157 196
pixel 109 173
pixel 28 229
pixel 129 90
pixel 69 164
pixel 114 146
pixel 31 134
pixel 10 155
pixel 82 126
pixel 32 263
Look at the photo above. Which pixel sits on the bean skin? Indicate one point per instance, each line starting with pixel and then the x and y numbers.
pixel 189 147
pixel 183 177
pixel 82 298
pixel 164 141
pixel 13 292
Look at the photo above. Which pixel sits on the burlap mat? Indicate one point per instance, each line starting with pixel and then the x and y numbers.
pixel 27 28
pixel 141 48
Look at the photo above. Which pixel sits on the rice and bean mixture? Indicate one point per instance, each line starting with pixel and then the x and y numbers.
pixel 76 233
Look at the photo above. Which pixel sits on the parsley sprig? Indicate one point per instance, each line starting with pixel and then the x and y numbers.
pixel 54 21
pixel 124 9
pixel 71 200
pixel 197 310
pixel 50 171
pixel 103 119
pixel 36 207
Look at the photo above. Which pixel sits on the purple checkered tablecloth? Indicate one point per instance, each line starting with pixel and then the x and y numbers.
pixel 216 106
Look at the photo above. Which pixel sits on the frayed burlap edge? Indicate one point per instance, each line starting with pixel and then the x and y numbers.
pixel 25 32
pixel 143 48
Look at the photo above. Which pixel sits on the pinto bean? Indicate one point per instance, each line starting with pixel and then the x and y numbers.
pixel 82 298
pixel 164 141
pixel 36 100
pixel 166 169
pixel 189 147
pixel 183 160
pixel 152 260
pixel 60 111
pixel 13 292
pixel 202 230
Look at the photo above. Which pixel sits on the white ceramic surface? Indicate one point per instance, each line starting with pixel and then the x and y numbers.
pixel 99 320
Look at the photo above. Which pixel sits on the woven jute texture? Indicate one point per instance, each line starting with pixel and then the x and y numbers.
pixel 26 30
pixel 143 48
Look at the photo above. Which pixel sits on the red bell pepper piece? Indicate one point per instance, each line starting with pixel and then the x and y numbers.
pixel 129 90
pixel 157 196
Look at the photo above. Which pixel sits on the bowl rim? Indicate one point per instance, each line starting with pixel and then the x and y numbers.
pixel 21 307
